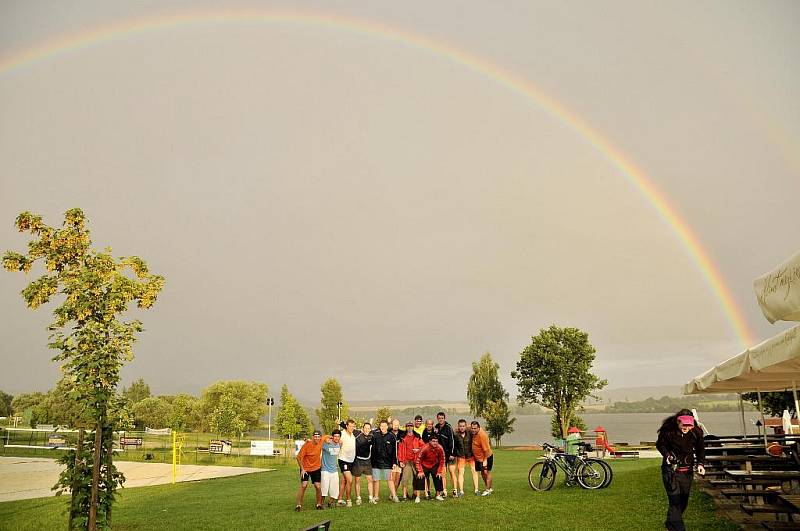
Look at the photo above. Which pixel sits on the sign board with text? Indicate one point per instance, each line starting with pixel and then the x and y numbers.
pixel 262 448
pixel 219 446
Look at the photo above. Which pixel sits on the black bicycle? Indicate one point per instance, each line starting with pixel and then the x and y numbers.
pixel 587 472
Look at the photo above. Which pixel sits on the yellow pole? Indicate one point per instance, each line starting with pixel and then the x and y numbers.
pixel 174 456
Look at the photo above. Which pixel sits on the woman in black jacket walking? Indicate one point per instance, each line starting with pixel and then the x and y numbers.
pixel 681 445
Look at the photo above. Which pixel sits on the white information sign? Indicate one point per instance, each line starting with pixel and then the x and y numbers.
pixel 262 448
pixel 297 446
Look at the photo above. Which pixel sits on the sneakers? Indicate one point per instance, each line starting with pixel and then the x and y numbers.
pixel 319 507
pixel 297 508
pixel 372 500
pixel 477 492
pixel 427 495
pixel 416 500
pixel 349 503
pixel 461 494
pixel 358 500
pixel 487 492
pixel 455 493
pixel 395 499
pixel 341 502
pixel 439 497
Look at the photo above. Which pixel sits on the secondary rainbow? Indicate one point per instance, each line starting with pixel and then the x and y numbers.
pixel 511 81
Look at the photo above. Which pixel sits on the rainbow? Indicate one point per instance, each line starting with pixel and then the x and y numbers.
pixel 512 82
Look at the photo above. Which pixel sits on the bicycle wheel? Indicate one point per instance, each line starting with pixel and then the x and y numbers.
pixel 607 467
pixel 609 473
pixel 541 476
pixel 591 475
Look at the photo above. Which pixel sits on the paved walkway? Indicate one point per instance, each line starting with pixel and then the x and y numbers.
pixel 32 477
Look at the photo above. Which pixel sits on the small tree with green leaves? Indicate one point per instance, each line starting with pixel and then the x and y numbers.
pixel 152 412
pixel 137 392
pixel 292 419
pixel 225 418
pixel 383 413
pixel 27 406
pixel 484 385
pixel 5 404
pixel 488 399
pixel 329 411
pixel 498 419
pixel 554 371
pixel 248 399
pixel 92 343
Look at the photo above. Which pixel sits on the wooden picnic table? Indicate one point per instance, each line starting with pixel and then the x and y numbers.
pixel 783 475
pixel 793 500
pixel 736 449
pixel 742 458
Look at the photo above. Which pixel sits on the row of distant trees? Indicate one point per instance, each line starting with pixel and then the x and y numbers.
pixel 223 407
pixel 553 372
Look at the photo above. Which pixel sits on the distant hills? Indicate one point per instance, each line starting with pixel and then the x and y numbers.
pixel 634 394
pixel 606 396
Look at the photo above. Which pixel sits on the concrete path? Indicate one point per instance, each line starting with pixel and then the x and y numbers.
pixel 32 477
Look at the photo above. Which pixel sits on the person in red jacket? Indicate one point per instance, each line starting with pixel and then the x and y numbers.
pixel 430 463
pixel 407 450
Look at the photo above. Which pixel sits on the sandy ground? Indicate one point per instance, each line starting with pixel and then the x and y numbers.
pixel 32 477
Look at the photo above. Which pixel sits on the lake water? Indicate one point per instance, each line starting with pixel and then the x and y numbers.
pixel 625 427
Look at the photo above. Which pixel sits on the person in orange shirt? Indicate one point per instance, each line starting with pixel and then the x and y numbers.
pixel 484 459
pixel 310 460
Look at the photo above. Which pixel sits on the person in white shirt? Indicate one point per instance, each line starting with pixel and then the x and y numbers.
pixel 347 457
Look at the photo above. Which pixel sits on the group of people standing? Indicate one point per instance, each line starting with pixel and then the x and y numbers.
pixel 414 460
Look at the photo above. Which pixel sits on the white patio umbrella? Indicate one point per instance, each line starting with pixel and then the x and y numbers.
pixel 778 292
pixel 773 365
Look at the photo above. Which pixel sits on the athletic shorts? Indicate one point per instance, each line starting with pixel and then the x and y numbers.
pixel 381 473
pixel 314 476
pixel 430 473
pixel 344 466
pixel 464 461
pixel 330 484
pixel 407 474
pixel 489 462
pixel 362 467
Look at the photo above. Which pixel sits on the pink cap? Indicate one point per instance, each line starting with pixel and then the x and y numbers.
pixel 686 420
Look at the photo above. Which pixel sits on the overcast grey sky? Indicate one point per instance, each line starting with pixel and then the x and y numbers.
pixel 325 202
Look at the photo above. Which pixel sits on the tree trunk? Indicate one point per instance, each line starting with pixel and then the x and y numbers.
pixel 76 482
pixel 110 472
pixel 98 449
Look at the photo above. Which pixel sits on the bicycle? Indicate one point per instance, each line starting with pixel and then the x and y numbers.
pixel 588 472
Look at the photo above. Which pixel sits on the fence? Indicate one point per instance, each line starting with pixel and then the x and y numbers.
pixel 197 448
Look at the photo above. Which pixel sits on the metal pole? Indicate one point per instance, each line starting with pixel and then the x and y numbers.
pixel 796 406
pixel 763 420
pixel 269 422
pixel 741 410
pixel 174 455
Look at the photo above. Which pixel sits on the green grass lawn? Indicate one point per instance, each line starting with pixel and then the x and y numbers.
pixel 635 501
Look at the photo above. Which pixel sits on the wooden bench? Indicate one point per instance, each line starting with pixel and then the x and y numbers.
pixel 730 482
pixel 625 453
pixel 773 508
pixel 779 526
pixel 744 492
